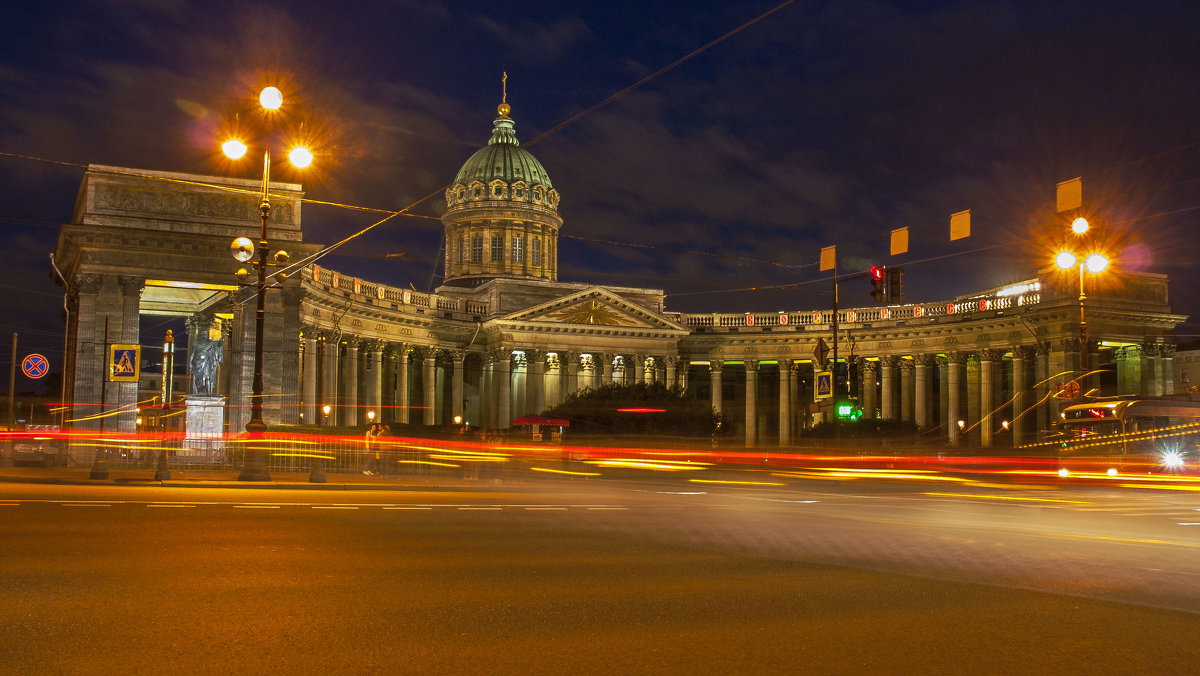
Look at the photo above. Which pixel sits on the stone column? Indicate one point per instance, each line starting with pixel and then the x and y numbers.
pixel 1167 375
pixel 1152 382
pixel 310 376
pixel 971 396
pixel 802 419
pixel 429 381
pixel 606 366
pixel 751 402
pixel 685 365
pixel 888 387
pixel 570 366
pixel 129 333
pixel 502 374
pixel 374 391
pixel 906 390
pixel 785 401
pixel 921 389
pixel 954 387
pixel 714 374
pixel 870 371
pixel 1041 374
pixel 987 391
pixel 329 382
pixel 458 359
pixel 283 391
pixel 639 368
pixel 535 381
pixel 402 405
pixel 1020 381
pixel 350 382
pixel 672 362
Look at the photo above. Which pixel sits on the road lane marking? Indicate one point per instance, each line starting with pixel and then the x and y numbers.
pixel 478 509
pixel 546 509
pixel 10 504
pixel 333 507
pixel 426 508
pixel 1189 523
pixel 86 504
pixel 602 509
pixel 256 506
pixel 159 504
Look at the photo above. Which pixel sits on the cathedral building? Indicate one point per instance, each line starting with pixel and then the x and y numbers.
pixel 503 337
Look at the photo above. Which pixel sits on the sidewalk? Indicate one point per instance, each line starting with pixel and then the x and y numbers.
pixel 191 478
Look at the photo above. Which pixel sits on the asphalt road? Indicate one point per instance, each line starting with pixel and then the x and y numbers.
pixel 657 576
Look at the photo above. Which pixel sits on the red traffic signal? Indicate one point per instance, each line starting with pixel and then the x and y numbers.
pixel 879 284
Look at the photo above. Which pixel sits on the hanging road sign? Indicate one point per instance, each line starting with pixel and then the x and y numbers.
pixel 824 389
pixel 35 366
pixel 820 351
pixel 124 362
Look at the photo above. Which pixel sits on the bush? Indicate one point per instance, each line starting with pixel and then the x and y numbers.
pixel 596 411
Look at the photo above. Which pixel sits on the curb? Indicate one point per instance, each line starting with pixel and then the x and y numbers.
pixel 204 483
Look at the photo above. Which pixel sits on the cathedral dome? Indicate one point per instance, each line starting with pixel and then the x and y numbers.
pixel 501 214
pixel 503 170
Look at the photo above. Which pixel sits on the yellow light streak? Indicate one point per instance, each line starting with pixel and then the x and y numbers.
pixel 469 458
pixel 426 462
pixel 1160 487
pixel 738 483
pixel 304 455
pixel 563 471
pixel 1008 497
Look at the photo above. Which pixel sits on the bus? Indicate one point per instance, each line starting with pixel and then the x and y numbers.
pixel 1131 436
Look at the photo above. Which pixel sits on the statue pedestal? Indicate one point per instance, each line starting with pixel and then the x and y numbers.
pixel 205 431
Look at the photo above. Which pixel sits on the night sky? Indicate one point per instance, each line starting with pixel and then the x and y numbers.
pixel 822 123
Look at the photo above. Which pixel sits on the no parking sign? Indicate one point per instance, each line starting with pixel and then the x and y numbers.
pixel 35 366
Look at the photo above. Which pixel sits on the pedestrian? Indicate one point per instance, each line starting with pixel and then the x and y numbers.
pixel 373 433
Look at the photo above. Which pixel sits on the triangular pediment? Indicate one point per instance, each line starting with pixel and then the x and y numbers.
pixel 595 307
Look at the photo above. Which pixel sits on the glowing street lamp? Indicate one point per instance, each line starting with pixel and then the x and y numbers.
pixel 243 250
pixel 1094 263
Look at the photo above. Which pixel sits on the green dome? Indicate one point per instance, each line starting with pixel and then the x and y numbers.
pixel 503 158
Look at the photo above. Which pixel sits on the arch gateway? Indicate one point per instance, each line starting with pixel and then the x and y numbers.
pixel 504 338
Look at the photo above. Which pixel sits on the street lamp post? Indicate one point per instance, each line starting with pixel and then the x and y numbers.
pixel 255 465
pixel 1094 263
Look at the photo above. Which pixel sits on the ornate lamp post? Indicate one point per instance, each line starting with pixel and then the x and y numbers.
pixel 243 249
pixel 1094 263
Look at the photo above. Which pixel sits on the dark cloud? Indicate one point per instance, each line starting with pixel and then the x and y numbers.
pixel 824 124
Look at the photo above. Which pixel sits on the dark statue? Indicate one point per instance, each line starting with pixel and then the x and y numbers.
pixel 207 355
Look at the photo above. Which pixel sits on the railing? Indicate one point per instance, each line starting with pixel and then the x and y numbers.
pixel 333 280
pixel 860 315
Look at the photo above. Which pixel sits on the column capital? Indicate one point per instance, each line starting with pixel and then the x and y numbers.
pixel 889 360
pixel 673 360
pixel 457 356
pixel 500 355
pixel 751 365
pixel 990 354
pixel 87 283
pixel 1024 352
pixel 957 357
pixel 924 360
pixel 396 349
pixel 716 364
pixel 131 285
pixel 352 342
pixel 906 366
pixel 870 365
pixel 534 354
pixel 372 345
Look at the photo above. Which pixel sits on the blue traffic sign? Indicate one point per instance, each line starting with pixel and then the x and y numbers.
pixel 35 366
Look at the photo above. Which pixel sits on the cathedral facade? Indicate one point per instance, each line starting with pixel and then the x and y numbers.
pixel 503 337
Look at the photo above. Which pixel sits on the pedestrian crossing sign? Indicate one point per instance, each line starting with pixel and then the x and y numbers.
pixel 124 362
pixel 824 389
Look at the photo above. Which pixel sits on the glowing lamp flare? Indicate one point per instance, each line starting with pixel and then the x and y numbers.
pixel 1079 226
pixel 300 157
pixel 271 98
pixel 1065 260
pixel 234 149
pixel 1095 263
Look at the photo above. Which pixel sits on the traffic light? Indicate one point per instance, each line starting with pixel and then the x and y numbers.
pixel 879 284
pixel 895 284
